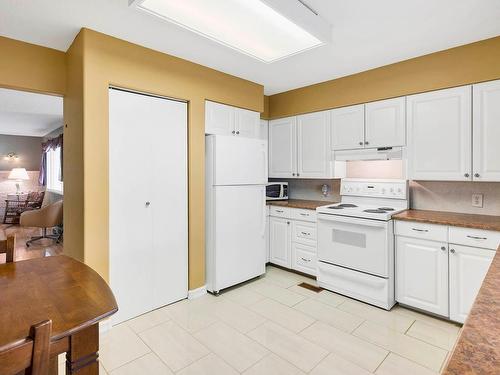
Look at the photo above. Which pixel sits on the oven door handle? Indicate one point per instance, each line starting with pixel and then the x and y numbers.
pixel 352 220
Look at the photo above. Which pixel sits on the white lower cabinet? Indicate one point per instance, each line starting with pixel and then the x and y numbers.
pixel 280 241
pixel 437 269
pixel 292 242
pixel 468 267
pixel 422 274
pixel 267 235
pixel 304 258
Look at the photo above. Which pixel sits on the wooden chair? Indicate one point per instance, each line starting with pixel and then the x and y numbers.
pixel 32 356
pixel 7 246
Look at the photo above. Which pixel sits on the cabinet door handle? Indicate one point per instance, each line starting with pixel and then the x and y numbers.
pixel 361 143
pixel 419 230
pixel 238 132
pixel 288 222
pixel 305 260
pixel 366 143
pixel 293 174
pixel 476 174
pixel 477 237
pixel 298 174
pixel 466 175
pixel 305 233
pixel 452 251
pixel 233 132
pixel 148 204
pixel 443 248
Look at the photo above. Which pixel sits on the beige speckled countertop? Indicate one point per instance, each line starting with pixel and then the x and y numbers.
pixel 300 203
pixel 487 222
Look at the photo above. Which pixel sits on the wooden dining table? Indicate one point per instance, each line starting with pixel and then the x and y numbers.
pixel 64 290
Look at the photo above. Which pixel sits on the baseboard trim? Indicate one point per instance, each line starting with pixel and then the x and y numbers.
pixel 293 271
pixel 105 326
pixel 197 293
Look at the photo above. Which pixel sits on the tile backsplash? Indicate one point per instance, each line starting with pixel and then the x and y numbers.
pixel 455 196
pixel 425 195
pixel 311 189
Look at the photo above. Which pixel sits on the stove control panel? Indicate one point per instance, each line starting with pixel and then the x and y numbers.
pixel 397 189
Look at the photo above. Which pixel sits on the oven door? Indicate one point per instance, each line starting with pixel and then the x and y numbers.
pixel 360 244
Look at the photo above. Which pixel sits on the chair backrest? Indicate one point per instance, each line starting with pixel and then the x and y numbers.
pixel 33 355
pixel 34 199
pixel 7 246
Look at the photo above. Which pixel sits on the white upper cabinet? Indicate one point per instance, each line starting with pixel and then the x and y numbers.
pixel 247 123
pixel 439 135
pixel 348 127
pixel 282 147
pixel 385 123
pixel 468 267
pixel 313 148
pixel 219 118
pixel 222 119
pixel 486 131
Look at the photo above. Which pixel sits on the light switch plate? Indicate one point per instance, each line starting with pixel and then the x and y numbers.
pixel 477 200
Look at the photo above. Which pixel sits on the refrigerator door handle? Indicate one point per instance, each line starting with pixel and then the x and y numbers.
pixel 263 233
pixel 266 173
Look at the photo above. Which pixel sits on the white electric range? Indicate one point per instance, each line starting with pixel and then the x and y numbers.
pixel 356 240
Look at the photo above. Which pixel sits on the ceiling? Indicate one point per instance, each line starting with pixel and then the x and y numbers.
pixel 366 34
pixel 29 114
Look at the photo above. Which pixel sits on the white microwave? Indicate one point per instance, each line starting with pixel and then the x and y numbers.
pixel 277 191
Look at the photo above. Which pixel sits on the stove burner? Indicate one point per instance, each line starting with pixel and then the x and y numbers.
pixel 347 205
pixel 386 208
pixel 375 211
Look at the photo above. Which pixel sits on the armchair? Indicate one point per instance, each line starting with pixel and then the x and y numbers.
pixel 46 217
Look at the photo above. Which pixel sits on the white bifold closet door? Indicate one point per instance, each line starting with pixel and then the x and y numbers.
pixel 148 222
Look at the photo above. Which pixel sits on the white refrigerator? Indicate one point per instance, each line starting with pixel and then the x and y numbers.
pixel 236 177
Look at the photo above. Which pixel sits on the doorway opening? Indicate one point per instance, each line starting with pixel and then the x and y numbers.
pixel 31 173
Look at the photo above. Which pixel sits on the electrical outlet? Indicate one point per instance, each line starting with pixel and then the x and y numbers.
pixel 477 200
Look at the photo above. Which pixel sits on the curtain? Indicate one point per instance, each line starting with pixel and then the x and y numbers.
pixel 51 144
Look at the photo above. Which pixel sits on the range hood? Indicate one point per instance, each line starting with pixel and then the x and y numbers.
pixel 382 153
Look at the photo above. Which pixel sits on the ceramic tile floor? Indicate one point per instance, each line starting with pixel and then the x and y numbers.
pixel 272 326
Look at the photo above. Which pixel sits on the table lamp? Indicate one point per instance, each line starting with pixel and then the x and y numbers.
pixel 18 174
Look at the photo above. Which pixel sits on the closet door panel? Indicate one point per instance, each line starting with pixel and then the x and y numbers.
pixel 130 237
pixel 168 160
pixel 148 202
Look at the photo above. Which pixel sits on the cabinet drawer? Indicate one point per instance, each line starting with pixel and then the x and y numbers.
pixel 279 211
pixel 305 215
pixel 486 239
pixel 304 259
pixel 425 231
pixel 304 233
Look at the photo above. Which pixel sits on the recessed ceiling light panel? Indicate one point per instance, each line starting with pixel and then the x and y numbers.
pixel 254 27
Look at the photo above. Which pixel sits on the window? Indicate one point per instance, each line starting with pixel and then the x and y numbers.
pixel 54 182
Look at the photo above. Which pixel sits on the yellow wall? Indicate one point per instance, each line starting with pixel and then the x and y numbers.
pixel 73 152
pixel 462 65
pixel 29 67
pixel 95 61
pixel 265 113
pixel 110 61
